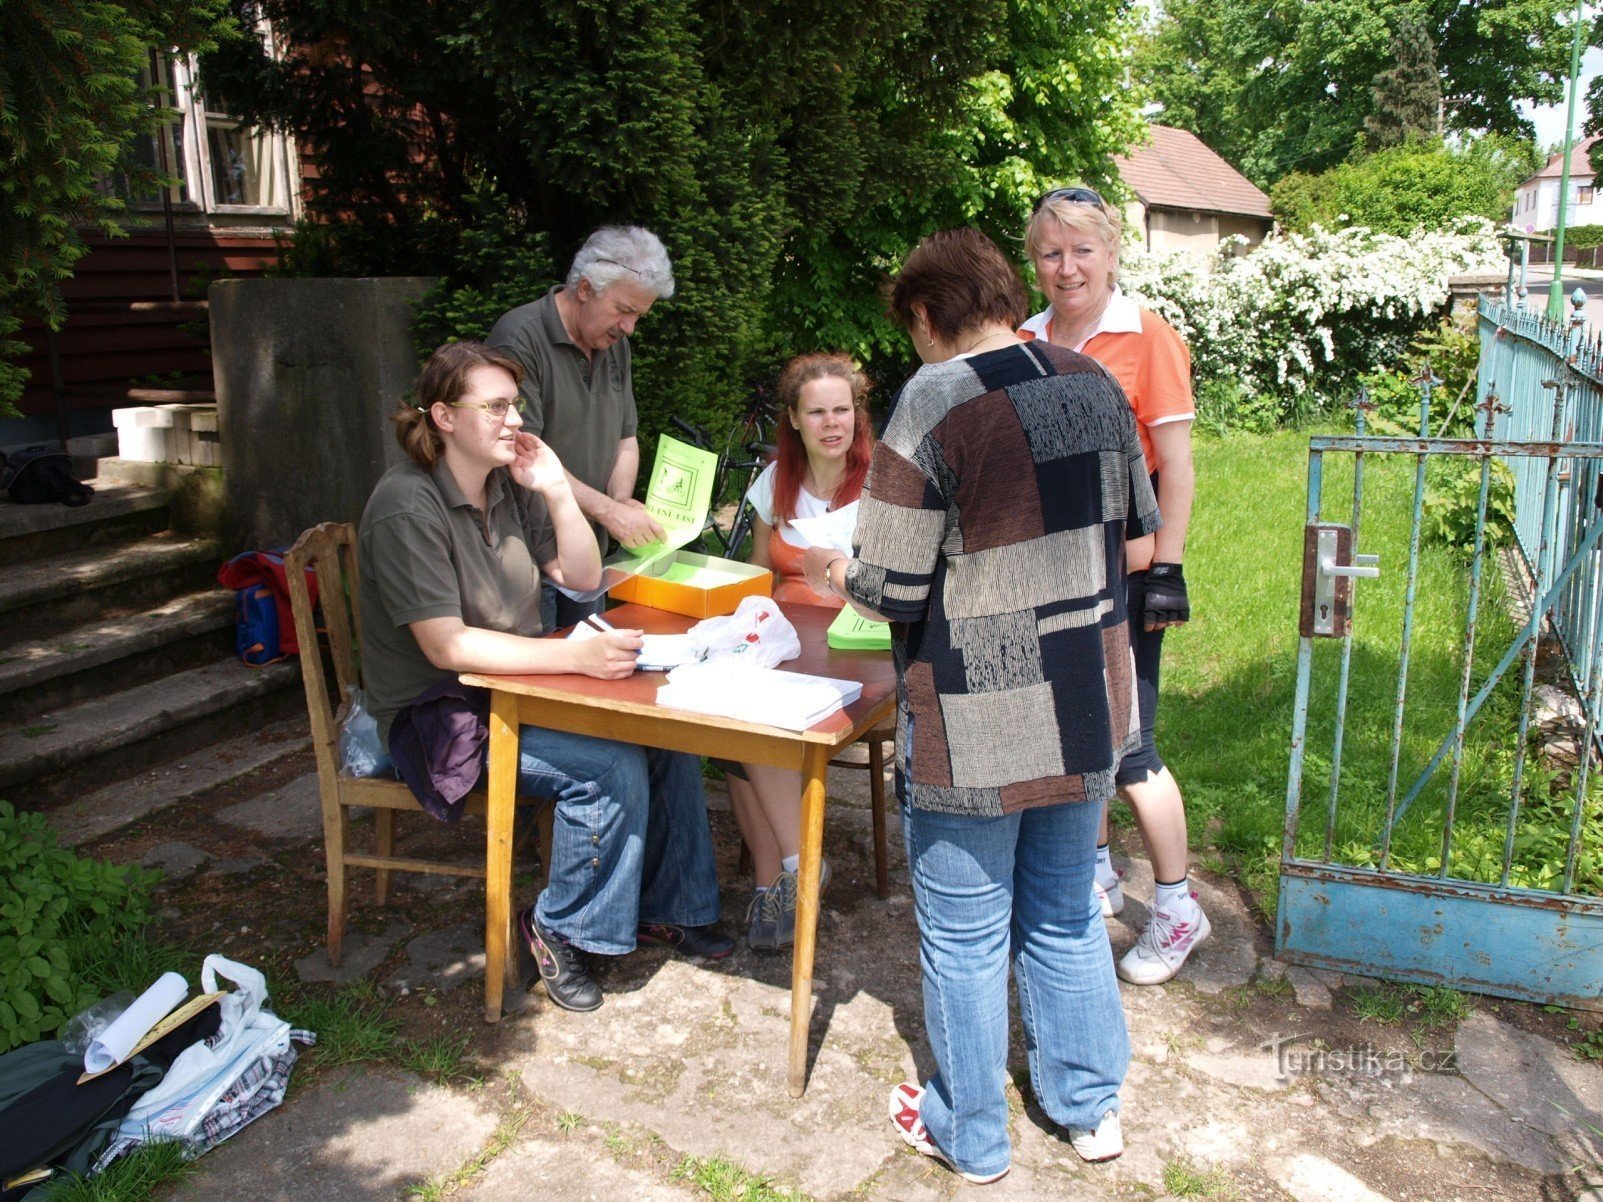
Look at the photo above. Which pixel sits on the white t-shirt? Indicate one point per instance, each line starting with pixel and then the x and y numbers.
pixel 761 494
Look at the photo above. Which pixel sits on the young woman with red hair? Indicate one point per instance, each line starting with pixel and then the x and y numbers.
pixel 825 444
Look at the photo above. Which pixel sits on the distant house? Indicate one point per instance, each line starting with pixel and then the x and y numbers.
pixel 1187 197
pixel 136 310
pixel 1536 200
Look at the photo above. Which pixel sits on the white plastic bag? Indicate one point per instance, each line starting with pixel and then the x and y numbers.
pixel 203 1072
pixel 756 633
pixel 359 746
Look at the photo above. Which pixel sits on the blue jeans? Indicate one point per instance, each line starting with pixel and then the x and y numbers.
pixel 557 609
pixel 1016 887
pixel 631 841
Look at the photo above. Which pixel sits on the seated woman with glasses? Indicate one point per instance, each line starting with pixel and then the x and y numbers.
pixel 1073 240
pixel 451 550
pixel 825 442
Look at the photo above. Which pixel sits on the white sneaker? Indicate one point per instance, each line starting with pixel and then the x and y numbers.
pixel 905 1102
pixel 1111 897
pixel 1104 1142
pixel 1164 945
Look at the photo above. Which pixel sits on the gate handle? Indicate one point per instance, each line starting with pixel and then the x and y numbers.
pixel 1365 567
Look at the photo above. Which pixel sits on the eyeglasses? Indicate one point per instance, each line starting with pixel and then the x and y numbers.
pixel 625 266
pixel 496 409
pixel 1079 196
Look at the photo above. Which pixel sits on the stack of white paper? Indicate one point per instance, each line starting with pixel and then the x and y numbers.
pixel 833 529
pixel 113 1045
pixel 790 700
pixel 660 652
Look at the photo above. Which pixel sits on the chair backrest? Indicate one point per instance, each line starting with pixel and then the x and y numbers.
pixel 329 550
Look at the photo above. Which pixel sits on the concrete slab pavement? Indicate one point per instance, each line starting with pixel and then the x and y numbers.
pixel 358 1135
pixel 688 1059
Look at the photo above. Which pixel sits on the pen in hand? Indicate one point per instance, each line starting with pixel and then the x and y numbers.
pixel 612 655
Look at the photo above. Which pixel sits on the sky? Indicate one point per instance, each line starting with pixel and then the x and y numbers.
pixel 1549 119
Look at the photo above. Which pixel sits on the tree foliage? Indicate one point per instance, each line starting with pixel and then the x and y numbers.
pixel 1423 183
pixel 1407 101
pixel 70 104
pixel 1277 86
pixel 787 154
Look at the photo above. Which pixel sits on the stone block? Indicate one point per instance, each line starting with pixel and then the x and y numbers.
pixel 292 811
pixel 308 372
pixel 443 959
pixel 177 861
pixel 358 1136
pixel 362 954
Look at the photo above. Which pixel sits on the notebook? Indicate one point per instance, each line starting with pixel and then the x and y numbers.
pixel 658 652
pixel 853 632
pixel 790 700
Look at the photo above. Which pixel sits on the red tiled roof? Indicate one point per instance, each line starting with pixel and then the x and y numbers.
pixel 1176 171
pixel 1579 167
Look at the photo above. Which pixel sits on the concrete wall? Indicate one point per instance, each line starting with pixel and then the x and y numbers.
pixel 1192 232
pixel 308 372
pixel 1253 229
pixel 1195 233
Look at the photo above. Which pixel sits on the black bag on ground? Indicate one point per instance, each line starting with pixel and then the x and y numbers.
pixel 40 475
pixel 49 1124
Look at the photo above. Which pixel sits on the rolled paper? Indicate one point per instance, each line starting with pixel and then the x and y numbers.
pixel 114 1044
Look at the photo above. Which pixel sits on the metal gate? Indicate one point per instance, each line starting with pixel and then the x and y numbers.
pixel 1491 885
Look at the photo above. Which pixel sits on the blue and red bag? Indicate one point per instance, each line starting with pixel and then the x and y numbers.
pixel 261 604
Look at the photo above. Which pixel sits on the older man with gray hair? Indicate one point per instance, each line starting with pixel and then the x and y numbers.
pixel 578 384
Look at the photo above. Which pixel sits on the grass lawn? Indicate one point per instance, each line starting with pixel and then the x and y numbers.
pixel 1230 679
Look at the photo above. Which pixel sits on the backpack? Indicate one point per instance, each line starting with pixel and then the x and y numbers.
pixel 40 475
pixel 256 626
pixel 266 632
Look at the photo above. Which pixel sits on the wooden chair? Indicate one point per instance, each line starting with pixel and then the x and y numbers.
pixel 330 551
pixel 876 740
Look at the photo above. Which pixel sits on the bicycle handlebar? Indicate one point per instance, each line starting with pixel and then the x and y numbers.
pixel 694 433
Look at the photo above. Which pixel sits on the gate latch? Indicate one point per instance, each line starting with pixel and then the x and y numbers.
pixel 1329 568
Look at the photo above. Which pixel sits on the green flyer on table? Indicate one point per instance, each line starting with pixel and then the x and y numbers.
pixel 853 632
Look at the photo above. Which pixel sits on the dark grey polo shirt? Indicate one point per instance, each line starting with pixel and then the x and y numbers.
pixel 424 552
pixel 581 407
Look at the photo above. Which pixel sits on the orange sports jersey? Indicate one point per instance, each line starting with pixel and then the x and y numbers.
pixel 1152 365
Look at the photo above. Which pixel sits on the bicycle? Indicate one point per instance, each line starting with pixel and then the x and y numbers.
pixel 751 437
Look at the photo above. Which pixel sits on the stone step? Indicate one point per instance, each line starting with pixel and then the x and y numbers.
pixel 117 513
pixel 58 756
pixel 106 656
pixel 51 595
pixel 137 796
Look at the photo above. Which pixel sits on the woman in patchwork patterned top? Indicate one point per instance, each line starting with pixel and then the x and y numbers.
pixel 1073 240
pixel 992 536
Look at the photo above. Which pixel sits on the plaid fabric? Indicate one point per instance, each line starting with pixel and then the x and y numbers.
pixel 992 534
pixel 257 1090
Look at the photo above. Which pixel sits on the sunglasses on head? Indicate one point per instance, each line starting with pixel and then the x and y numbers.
pixel 625 266
pixel 1079 196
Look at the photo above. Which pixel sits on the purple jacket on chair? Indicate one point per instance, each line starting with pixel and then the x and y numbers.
pixel 437 743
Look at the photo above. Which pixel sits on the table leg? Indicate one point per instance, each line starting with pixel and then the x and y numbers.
pixel 501 800
pixel 814 768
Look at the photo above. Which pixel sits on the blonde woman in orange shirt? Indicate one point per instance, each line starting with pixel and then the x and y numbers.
pixel 1073 241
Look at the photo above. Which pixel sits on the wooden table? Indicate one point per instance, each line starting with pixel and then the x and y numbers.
pixel 627 710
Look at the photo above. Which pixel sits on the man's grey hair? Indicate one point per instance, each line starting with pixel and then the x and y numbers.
pixel 617 252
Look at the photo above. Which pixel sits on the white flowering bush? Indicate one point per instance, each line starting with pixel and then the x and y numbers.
pixel 1300 317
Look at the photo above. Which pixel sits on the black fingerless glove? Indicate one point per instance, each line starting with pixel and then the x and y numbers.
pixel 1165 596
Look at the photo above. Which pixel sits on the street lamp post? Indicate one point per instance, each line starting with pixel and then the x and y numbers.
pixel 1555 292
